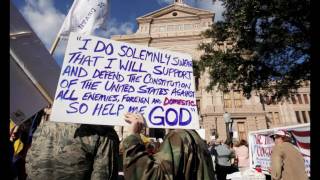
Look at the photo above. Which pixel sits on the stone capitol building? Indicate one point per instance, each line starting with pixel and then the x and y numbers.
pixel 177 27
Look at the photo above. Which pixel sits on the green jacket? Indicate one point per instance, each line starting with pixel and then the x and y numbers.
pixel 182 156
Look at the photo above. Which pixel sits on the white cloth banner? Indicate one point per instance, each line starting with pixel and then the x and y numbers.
pixel 85 16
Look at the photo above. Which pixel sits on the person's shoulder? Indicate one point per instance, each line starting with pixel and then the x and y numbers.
pixel 276 147
pixel 177 139
pixel 222 148
pixel 131 140
pixel 184 136
pixel 288 145
pixel 225 147
pixel 284 145
pixel 182 133
pixel 175 135
pixel 279 148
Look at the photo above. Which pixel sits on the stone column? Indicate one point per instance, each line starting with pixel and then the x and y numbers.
pixel 221 128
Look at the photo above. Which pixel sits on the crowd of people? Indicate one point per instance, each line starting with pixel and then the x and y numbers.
pixel 228 158
pixel 75 151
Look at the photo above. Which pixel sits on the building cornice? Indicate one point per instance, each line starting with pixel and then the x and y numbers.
pixel 175 7
pixel 176 38
pixel 177 19
pixel 130 38
pixel 157 39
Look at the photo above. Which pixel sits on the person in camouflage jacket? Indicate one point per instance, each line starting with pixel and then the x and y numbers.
pixel 73 151
pixel 182 156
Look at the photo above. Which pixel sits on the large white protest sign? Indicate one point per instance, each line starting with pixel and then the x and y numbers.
pixel 260 145
pixel 102 79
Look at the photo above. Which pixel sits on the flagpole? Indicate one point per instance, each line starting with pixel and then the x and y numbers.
pixel 54 45
pixel 57 39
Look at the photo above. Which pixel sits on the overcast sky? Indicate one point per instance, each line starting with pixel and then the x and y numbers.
pixel 46 16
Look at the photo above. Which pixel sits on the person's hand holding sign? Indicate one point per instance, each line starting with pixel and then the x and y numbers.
pixel 136 121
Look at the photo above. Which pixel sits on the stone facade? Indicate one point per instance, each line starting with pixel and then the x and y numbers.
pixel 178 27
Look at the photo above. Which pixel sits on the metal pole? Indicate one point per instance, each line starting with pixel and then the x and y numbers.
pixel 216 127
pixel 54 45
pixel 231 131
pixel 227 129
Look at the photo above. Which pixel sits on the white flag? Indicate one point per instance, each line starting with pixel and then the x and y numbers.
pixel 85 16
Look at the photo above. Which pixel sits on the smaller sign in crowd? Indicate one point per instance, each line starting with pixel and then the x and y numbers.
pixel 261 144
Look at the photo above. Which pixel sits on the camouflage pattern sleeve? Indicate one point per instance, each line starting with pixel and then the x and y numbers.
pixel 182 155
pixel 73 151
pixel 105 166
pixel 52 153
pixel 137 164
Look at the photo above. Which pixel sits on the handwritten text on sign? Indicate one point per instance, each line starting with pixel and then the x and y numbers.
pixel 102 79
